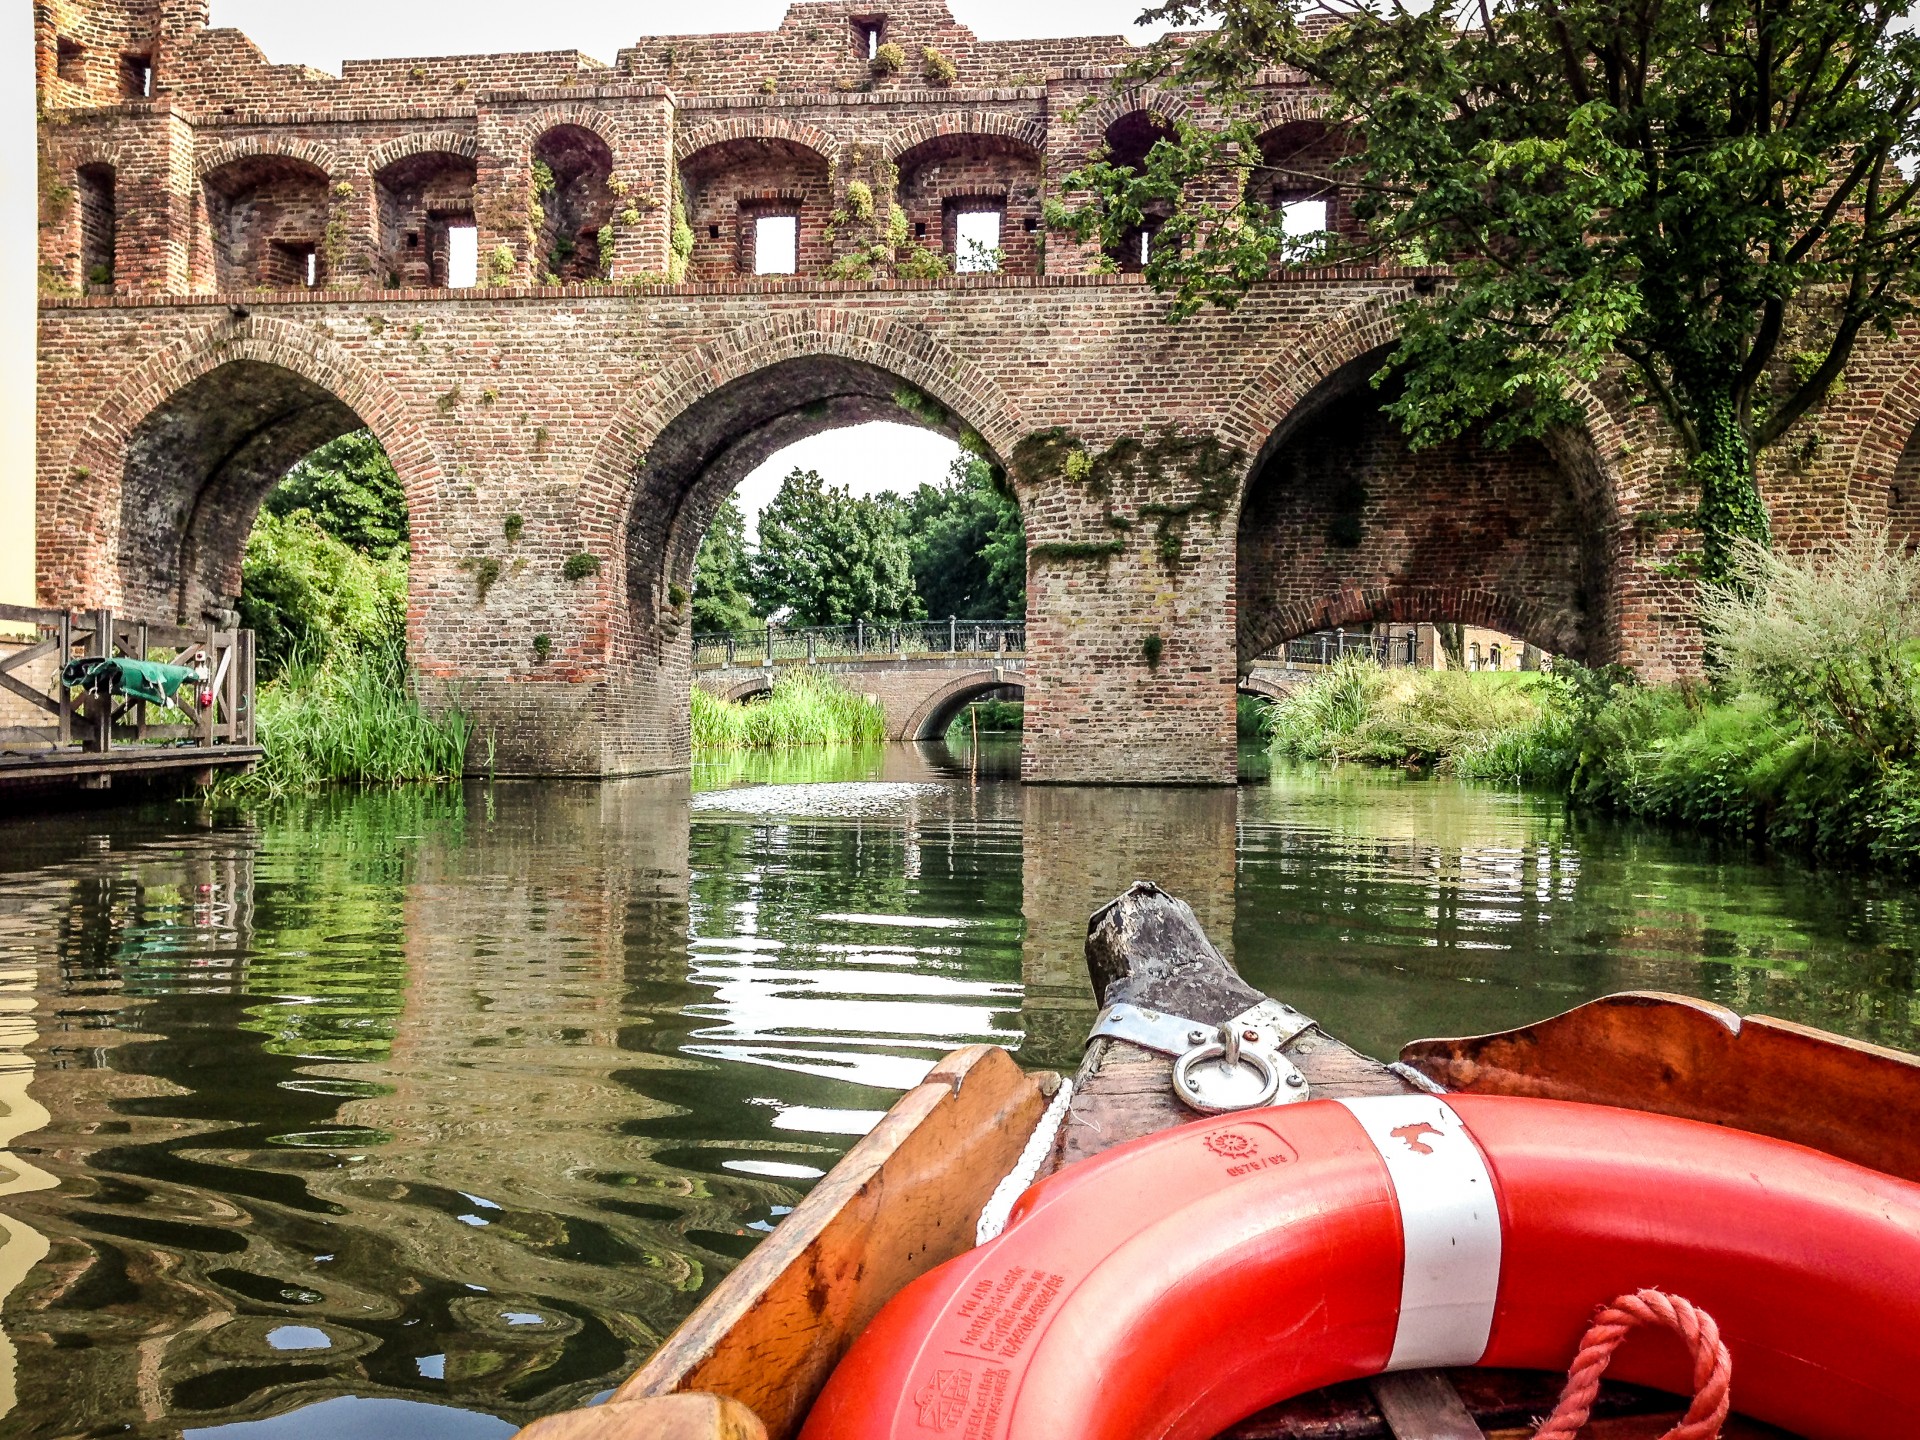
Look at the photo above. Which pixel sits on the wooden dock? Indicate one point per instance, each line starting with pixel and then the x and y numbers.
pixel 54 737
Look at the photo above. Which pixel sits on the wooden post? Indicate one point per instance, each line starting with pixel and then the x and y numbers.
pixel 65 695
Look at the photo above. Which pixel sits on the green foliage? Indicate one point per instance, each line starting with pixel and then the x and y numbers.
pixel 580 567
pixel 969 545
pixel 937 68
pixel 352 719
pixel 827 558
pixel 1809 743
pixel 859 201
pixel 803 710
pixel 514 528
pixel 723 575
pixel 988 717
pixel 1829 639
pixel 1253 719
pixel 350 489
pixel 889 59
pixel 486 571
pixel 542 648
pixel 1357 710
pixel 1152 648
pixel 501 265
pixel 1698 192
pixel 305 593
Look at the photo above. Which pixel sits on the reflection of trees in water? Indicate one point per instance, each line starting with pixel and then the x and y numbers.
pixel 1392 909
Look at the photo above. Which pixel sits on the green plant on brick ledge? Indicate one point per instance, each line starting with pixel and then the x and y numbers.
pixel 937 68
pixel 889 59
pixel 580 567
pixel 1153 647
pixel 542 648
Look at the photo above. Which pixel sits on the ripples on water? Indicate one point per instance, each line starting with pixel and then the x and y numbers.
pixel 427 1114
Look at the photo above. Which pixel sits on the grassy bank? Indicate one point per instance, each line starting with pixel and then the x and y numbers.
pixel 1807 740
pixel 352 719
pixel 988 717
pixel 803 710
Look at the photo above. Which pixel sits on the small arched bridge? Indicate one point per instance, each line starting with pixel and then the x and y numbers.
pixel 922 673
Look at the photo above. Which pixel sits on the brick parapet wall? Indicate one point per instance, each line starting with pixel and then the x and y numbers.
pixel 232 103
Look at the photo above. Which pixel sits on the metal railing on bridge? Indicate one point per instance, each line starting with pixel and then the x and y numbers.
pixel 907 639
pixel 1330 646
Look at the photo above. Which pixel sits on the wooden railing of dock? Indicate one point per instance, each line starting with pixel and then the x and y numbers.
pixel 73 722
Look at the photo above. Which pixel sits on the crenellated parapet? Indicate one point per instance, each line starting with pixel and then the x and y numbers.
pixel 855 141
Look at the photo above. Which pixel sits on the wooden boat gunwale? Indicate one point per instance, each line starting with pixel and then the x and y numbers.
pixel 750 1361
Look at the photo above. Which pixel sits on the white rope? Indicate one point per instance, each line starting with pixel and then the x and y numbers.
pixel 1414 1078
pixel 993 1219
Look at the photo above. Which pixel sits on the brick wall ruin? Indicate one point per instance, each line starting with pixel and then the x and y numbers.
pixel 243 260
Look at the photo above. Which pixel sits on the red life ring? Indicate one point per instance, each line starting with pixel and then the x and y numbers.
pixel 1177 1284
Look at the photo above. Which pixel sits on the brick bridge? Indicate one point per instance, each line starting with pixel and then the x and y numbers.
pixel 245 260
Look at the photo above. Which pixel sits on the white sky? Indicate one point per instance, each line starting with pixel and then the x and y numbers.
pixel 324 35
pixel 868 458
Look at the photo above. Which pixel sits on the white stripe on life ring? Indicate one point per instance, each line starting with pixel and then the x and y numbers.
pixel 1450 1218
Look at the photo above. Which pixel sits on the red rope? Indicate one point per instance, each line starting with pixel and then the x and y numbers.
pixel 1712 1369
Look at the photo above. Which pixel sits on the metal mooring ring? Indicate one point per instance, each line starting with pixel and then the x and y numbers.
pixel 1195 1092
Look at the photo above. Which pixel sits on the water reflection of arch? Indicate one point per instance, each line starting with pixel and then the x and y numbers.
pixel 939 710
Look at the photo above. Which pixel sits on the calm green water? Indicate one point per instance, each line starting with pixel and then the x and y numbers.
pixel 428 1114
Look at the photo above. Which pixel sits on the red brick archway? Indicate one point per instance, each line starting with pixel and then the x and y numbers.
pixel 301 388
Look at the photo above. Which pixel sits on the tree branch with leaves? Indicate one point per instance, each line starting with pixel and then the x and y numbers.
pixel 1713 195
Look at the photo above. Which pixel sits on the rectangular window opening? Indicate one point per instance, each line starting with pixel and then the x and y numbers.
pixel 976 242
pixel 70 59
pixel 776 245
pixel 136 76
pixel 1304 219
pixel 313 269
pixel 869 34
pixel 463 256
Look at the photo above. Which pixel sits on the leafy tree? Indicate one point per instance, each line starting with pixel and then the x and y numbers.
pixel 723 575
pixel 305 593
pixel 1709 194
pixel 969 545
pixel 827 558
pixel 350 488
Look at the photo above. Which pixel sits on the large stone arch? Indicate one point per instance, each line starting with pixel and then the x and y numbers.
pixel 423 142
pixel 1883 460
pixel 931 718
pixel 1026 132
pixel 1485 606
pixel 690 142
pixel 888 344
pixel 689 436
pixel 300 383
pixel 1568 537
pixel 217 157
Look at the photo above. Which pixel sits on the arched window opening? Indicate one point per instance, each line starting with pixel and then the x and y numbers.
pixel 1298 177
pixel 1129 141
pixel 756 207
pixel 94 196
pixel 976 199
pixel 268 219
pixel 427 235
pixel 574 205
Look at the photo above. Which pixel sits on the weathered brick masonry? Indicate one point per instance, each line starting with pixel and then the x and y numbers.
pixel 1239 484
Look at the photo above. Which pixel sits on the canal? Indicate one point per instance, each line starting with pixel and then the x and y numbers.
pixel 432 1112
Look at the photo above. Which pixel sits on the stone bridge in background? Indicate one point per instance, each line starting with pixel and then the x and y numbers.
pixel 243 261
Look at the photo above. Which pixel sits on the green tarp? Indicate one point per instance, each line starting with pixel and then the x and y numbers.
pixel 146 680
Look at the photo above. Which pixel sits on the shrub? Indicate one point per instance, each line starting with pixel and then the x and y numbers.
pixel 580 567
pixel 1830 639
pixel 305 593
pixel 938 69
pixel 889 59
pixel 353 719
